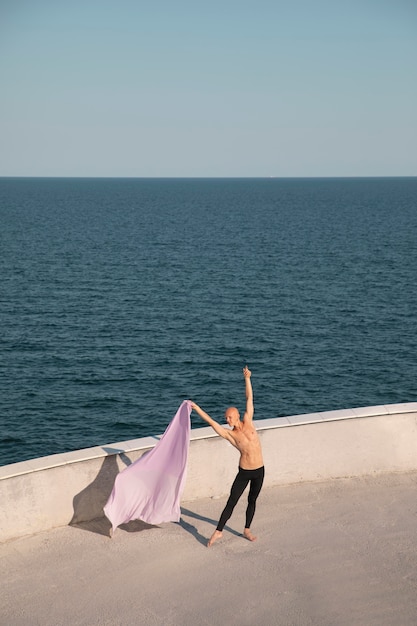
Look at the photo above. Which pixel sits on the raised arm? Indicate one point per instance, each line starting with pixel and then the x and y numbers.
pixel 248 417
pixel 223 432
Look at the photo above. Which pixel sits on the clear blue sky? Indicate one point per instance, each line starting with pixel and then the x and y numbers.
pixel 219 88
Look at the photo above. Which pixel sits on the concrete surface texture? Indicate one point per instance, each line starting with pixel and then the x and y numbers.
pixel 335 553
pixel 44 493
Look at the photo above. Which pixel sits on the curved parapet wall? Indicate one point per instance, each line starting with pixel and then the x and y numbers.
pixel 73 487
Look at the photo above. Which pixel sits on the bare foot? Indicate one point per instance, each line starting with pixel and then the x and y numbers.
pixel 216 535
pixel 248 535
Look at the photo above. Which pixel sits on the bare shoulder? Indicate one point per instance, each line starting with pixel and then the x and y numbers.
pixel 250 430
pixel 247 419
pixel 229 435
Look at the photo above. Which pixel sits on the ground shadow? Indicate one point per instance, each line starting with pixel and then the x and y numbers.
pixel 193 530
pixel 100 526
pixel 136 526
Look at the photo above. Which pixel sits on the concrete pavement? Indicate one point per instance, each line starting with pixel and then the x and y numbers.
pixel 336 553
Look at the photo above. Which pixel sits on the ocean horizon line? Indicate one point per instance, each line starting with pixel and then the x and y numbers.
pixel 266 177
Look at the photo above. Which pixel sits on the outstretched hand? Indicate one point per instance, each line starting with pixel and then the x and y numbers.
pixel 246 372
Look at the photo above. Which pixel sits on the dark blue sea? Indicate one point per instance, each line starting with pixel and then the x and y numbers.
pixel 122 297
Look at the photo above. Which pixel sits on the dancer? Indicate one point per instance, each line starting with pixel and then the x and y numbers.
pixel 244 437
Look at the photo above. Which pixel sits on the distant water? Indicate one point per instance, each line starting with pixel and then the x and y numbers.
pixel 122 297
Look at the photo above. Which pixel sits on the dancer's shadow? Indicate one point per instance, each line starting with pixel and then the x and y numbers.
pixel 193 530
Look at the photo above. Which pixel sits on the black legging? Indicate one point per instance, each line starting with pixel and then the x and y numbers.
pixel 256 478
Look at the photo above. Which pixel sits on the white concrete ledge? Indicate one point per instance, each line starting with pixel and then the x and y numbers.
pixel 72 487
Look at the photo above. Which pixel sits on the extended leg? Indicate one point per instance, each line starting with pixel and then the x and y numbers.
pixel 255 488
pixel 238 487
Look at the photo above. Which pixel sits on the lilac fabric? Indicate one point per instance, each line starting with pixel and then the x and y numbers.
pixel 150 489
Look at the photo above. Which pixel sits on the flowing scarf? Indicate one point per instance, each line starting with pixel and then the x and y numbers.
pixel 150 488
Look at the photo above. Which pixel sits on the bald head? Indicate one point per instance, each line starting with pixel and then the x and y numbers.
pixel 232 416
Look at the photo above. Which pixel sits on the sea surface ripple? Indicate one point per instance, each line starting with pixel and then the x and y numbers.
pixel 122 297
